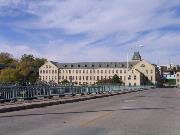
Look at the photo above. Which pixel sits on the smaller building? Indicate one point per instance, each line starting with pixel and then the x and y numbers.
pixel 2 66
pixel 178 79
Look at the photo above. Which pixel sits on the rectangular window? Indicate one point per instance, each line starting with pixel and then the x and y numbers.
pixel 101 71
pixel 116 71
pixel 69 71
pixel 135 77
pixel 76 71
pixel 97 77
pixel 98 71
pixel 129 77
pixel 86 77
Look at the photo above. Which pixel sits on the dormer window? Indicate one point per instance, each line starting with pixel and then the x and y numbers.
pixel 71 65
pixel 107 65
pixel 64 65
pixel 99 65
pixel 92 65
pixel 78 65
pixel 142 65
pixel 85 65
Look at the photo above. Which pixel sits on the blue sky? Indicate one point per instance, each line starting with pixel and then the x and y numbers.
pixel 91 30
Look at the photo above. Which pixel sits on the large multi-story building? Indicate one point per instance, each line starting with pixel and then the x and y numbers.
pixel 178 79
pixel 134 72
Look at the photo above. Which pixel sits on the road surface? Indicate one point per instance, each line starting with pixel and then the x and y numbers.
pixel 152 112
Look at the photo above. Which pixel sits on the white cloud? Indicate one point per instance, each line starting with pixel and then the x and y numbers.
pixel 18 50
pixel 101 19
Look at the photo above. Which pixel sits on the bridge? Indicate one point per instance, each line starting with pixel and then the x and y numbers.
pixel 144 112
pixel 13 93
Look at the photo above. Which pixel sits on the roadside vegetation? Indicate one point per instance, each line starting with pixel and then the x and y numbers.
pixel 20 71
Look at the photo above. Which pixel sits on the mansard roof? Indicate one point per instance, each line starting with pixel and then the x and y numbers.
pixel 136 56
pixel 92 65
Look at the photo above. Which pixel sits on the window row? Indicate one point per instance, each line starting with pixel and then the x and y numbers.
pixel 91 71
pixel 48 71
pixel 48 77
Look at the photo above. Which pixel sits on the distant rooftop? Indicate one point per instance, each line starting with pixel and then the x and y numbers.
pixel 136 56
pixel 87 65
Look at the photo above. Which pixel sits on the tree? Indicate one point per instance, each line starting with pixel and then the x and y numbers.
pixel 104 81
pixel 64 81
pixel 116 79
pixel 9 75
pixel 26 69
pixel 7 59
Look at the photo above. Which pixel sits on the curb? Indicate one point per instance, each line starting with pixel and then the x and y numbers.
pixel 56 102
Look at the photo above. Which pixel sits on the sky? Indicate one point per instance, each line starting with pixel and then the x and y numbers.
pixel 91 30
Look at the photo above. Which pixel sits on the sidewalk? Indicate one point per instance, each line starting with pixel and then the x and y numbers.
pixel 49 102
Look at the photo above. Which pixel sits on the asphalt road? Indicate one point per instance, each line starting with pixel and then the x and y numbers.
pixel 152 112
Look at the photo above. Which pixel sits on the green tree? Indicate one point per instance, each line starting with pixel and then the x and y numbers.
pixel 28 68
pixel 116 79
pixel 7 59
pixel 65 81
pixel 9 75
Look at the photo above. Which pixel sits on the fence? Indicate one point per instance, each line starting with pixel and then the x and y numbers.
pixel 12 93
